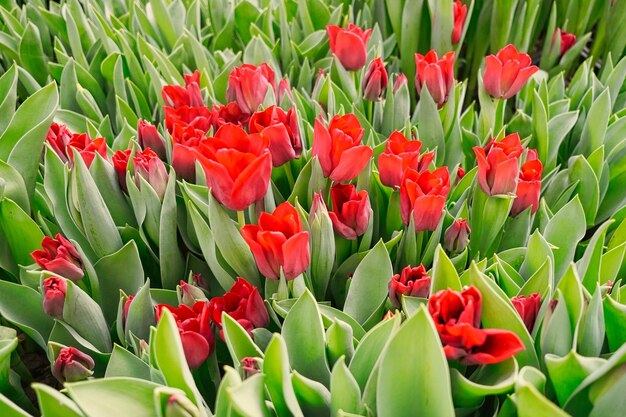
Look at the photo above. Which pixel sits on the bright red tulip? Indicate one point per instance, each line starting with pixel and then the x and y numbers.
pixel 460 14
pixel 149 137
pixel 375 81
pixel 567 40
pixel 228 113
pixel 243 303
pixel 412 282
pixel 248 85
pixel 437 74
pixel 507 72
pixel 278 242
pixel 282 130
pixel 423 195
pixel 528 308
pixel 189 95
pixel 457 319
pixel 237 165
pixel 72 365
pixel 349 45
pixel 59 256
pixel 456 237
pixel 339 148
pixel 194 327
pixel 351 210
pixel 63 142
pixel 401 154
pixel 54 289
pixel 528 187
pixel 200 118
pixel 186 140
pixel 498 165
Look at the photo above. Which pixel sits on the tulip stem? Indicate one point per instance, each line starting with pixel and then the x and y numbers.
pixel 498 121
pixel 241 218
pixel 289 176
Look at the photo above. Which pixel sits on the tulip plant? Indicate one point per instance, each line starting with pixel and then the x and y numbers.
pixel 255 208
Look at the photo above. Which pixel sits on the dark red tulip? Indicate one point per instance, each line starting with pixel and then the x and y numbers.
pixel 507 72
pixel 120 163
pixel 528 308
pixel 54 289
pixel 149 137
pixel 437 74
pixel 349 45
pixel 567 40
pixel 375 81
pixel 189 95
pixel 282 130
pixel 64 143
pixel 72 365
pixel 460 14
pixel 529 186
pixel 126 309
pixel 243 303
pixel 237 166
pixel 278 241
pixel 399 82
pixel 401 154
pixel 59 256
pixel 248 85
pixel 412 282
pixel 250 366
pixel 460 173
pixel 456 237
pixel 457 319
pixel 498 165
pixel 423 195
pixel 228 113
pixel 339 148
pixel 194 327
pixel 351 210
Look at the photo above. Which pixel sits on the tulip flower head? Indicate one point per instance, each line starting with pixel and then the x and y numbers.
pixel 54 290
pixel 456 237
pixel 401 154
pixel 412 282
pixel 72 365
pixel 282 130
pixel 567 40
pixel 459 11
pixel 349 45
pixel 507 72
pixel 423 195
pixel 528 308
pixel 529 186
pixel 248 85
pixel 351 210
pixel 498 165
pixel 64 143
pixel 59 255
pixel 149 137
pixel 437 74
pixel 375 81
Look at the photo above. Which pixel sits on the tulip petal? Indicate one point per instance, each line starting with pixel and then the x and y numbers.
pixel 499 345
pixel 352 162
pixel 252 183
pixel 491 78
pixel 506 176
pixel 196 348
pixel 296 255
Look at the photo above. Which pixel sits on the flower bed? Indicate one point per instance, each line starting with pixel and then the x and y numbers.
pixel 376 208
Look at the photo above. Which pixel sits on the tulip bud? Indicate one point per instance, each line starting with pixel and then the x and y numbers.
pixel 248 85
pixel 127 303
pixel 437 74
pixel 375 81
pixel 59 256
pixel 149 167
pixel 250 366
pixel 351 210
pixel 120 163
pixel 284 89
pixel 189 294
pixel 54 289
pixel 349 45
pixel 507 72
pixel 399 82
pixel 460 173
pixel 388 315
pixel 322 245
pixel 148 137
pixel 72 365
pixel 180 406
pixel 456 237
pixel 459 11
pixel 528 308
pixel 412 282
pixel 567 40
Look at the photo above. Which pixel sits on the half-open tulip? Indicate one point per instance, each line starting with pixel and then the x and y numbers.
pixel 72 365
pixel 437 74
pixel 567 40
pixel 529 186
pixel 507 72
pixel 248 85
pixel 375 81
pixel 278 242
pixel 423 195
pixel 64 143
pixel 189 95
pixel 498 165
pixel 349 45
pixel 401 154
pixel 351 210
pixel 459 11
pixel 412 282
pixel 282 130
pixel 58 255
pixel 243 303
pixel 54 289
pixel 456 237
pixel 149 137
pixel 339 148
pixel 186 140
pixel 528 308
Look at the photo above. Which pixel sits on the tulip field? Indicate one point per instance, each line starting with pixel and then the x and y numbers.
pixel 277 208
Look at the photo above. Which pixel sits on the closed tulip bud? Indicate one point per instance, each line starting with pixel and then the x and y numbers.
pixel 250 366
pixel 72 365
pixel 412 282
pixel 528 188
pixel 399 82
pixel 437 74
pixel 149 167
pixel 567 40
pixel 189 294
pixel 284 89
pixel 149 137
pixel 349 45
pixel 248 85
pixel 59 256
pixel 388 315
pixel 423 195
pixel 527 308
pixel 459 11
pixel 54 289
pixel 456 237
pixel 498 165
pixel 507 72
pixel 351 210
pixel 375 81
pixel 126 308
pixel 180 406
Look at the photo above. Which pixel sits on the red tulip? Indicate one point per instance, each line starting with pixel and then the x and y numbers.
pixel 54 289
pixel 58 137
pixel 412 282
pixel 401 154
pixel 200 118
pixel 351 210
pixel 460 14
pixel 279 242
pixel 60 257
pixel 63 142
pixel 194 327
pixel 460 173
pixel 248 85
pixel 339 148
pixel 126 309
pixel 528 187
pixel 375 81
pixel 457 319
pixel 424 196
pixel 567 40
pixel 498 168
pixel 399 82
pixel 237 165
pixel 243 303
pixel 250 366
pixel 189 95
pixel 149 167
pixel 228 113
pixel 186 140
pixel 507 72
pixel 349 45
pixel 456 237
pixel 282 130
pixel 284 89
pixel 148 137
pixel 72 365
pixel 528 308
pixel 436 73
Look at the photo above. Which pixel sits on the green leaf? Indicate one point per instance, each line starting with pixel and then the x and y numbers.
pixel 420 370
pixel 10 409
pixel 592 136
pixel 344 391
pixel 444 273
pixel 313 397
pixel 8 92
pixel 170 258
pixel 588 189
pixel 124 364
pixel 84 315
pixel 248 398
pixel 21 232
pixel 615 321
pixel 531 403
pixel 52 403
pixel 567 372
pixel 239 343
pixel 487 380
pixel 278 378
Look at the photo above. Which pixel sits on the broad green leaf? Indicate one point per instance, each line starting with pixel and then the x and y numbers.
pixel 20 230
pixel 344 391
pixel 239 343
pixel 52 403
pixel 569 371
pixel 278 378
pixel 444 273
pixel 124 364
pixel 313 397
pixel 248 398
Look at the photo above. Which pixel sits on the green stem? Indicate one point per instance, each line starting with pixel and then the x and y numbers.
pixel 241 218
pixel 498 122
pixel 290 180
pixel 354 246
